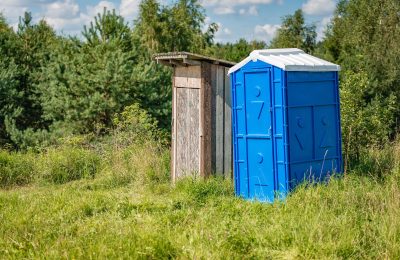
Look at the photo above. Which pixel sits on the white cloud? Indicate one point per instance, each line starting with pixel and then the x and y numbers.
pixel 65 9
pixel 228 6
pixel 99 8
pixel 223 33
pixel 224 10
pixel 66 16
pixel 319 7
pixel 12 11
pixel 227 31
pixel 252 10
pixel 234 2
pixel 129 8
pixel 321 27
pixel 266 32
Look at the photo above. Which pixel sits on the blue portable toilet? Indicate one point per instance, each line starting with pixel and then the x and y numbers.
pixel 285 120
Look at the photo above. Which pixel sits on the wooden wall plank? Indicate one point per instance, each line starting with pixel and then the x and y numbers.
pixel 187 120
pixel 219 120
pixel 228 152
pixel 213 81
pixel 187 150
pixel 193 130
pixel 206 106
pixel 182 82
pixel 188 77
pixel 173 131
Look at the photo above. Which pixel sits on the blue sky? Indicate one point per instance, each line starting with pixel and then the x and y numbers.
pixel 249 19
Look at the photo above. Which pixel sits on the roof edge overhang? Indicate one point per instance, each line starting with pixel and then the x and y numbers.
pixel 188 59
pixel 260 55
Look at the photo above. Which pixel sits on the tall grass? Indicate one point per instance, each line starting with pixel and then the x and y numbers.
pixel 16 169
pixel 113 200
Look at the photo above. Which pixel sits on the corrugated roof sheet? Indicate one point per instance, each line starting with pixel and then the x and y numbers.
pixel 288 60
pixel 186 57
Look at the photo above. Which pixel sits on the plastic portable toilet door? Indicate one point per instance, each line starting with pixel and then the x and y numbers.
pixel 258 180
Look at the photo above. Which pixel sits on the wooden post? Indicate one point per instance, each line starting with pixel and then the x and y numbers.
pixel 205 150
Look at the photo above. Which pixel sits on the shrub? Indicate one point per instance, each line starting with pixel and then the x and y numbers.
pixel 135 125
pixel 148 162
pixel 16 169
pixel 68 163
pixel 379 163
pixel 366 121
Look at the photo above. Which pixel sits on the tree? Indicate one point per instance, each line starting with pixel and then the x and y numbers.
pixel 87 83
pixel 23 54
pixel 173 28
pixel 363 123
pixel 365 35
pixel 235 51
pixel 52 85
pixel 9 94
pixel 108 27
pixel 294 33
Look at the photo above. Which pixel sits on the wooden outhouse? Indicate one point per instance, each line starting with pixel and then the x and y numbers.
pixel 201 115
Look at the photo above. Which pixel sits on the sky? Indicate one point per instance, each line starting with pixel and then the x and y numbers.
pixel 249 19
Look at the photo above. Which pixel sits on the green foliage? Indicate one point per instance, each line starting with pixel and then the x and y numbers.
pixel 201 191
pixel 365 36
pixel 16 169
pixel 364 39
pixel 379 163
pixel 172 28
pixel 22 55
pixel 363 124
pixel 235 51
pixel 57 86
pixel 84 89
pixel 108 27
pixel 351 217
pixel 125 190
pixel 9 95
pixel 294 33
pixel 61 165
pixel 136 124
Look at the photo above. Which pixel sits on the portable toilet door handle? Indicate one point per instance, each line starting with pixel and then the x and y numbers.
pixel 270 130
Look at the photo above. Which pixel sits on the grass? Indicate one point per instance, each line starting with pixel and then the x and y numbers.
pixel 124 207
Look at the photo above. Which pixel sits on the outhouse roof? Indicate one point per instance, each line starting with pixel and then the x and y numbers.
pixel 289 60
pixel 187 58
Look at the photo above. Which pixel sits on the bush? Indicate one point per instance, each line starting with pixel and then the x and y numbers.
pixel 146 163
pixel 380 163
pixel 68 163
pixel 366 121
pixel 136 125
pixel 16 169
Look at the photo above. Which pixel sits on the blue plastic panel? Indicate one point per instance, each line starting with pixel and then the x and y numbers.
pixel 260 169
pixel 313 126
pixel 286 129
pixel 258 103
pixel 253 131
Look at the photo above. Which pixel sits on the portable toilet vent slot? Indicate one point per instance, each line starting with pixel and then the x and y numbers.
pixel 286 122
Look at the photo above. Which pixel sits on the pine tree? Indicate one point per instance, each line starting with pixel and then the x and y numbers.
pixel 294 33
